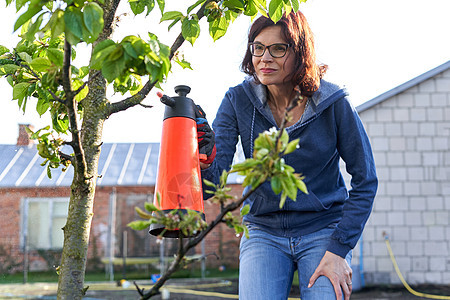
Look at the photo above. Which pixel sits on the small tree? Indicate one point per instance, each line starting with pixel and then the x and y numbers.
pixel 41 67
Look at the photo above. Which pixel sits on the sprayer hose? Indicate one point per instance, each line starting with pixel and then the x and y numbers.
pixel 405 284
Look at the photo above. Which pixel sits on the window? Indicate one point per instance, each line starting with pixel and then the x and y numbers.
pixel 43 219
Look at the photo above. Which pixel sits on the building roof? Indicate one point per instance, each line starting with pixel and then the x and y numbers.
pixel 120 164
pixel 403 87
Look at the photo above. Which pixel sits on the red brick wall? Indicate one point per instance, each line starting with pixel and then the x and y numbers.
pixel 221 241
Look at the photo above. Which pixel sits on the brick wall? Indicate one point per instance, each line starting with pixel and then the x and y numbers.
pixel 410 136
pixel 221 241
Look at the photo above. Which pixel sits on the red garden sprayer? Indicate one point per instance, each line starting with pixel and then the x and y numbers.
pixel 178 181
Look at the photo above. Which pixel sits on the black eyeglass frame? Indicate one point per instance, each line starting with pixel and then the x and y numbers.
pixel 250 46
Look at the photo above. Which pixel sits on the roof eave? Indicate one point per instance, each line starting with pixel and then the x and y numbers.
pixel 403 87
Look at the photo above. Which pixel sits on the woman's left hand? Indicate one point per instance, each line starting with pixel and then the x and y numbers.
pixel 338 271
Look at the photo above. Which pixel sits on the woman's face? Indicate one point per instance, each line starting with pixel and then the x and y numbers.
pixel 268 69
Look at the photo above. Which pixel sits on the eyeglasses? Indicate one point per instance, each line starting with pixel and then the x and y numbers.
pixel 276 50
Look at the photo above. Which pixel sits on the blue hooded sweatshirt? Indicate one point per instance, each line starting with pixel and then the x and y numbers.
pixel 329 129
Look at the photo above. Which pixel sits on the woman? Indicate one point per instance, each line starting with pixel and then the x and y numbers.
pixel 315 233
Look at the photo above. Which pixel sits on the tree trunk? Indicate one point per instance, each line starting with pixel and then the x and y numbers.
pixel 77 228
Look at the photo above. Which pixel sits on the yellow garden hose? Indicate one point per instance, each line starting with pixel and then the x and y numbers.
pixel 397 270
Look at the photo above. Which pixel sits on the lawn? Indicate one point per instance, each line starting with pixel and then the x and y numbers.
pixel 51 276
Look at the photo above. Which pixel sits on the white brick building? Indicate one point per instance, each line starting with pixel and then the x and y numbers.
pixel 409 128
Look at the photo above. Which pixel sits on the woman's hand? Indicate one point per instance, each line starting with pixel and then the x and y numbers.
pixel 338 271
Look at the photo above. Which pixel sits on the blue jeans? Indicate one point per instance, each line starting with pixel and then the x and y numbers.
pixel 268 263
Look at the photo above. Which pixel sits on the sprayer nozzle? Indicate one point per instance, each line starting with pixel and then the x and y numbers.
pixel 169 101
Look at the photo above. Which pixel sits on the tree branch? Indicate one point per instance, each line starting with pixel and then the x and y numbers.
pixel 183 249
pixel 66 157
pixel 56 98
pixel 79 159
pixel 109 9
pixel 140 96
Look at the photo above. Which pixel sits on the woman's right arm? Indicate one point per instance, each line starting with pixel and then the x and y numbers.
pixel 226 133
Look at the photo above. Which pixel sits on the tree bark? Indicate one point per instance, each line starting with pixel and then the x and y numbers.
pixel 86 144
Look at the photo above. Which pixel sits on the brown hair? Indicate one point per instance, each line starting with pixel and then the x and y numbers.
pixel 295 29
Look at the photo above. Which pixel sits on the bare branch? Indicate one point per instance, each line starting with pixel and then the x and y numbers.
pixel 140 96
pixel 140 291
pixel 56 98
pixel 79 159
pixel 145 106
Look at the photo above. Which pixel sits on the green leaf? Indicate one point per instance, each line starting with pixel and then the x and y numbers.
pixel 139 225
pixel 101 52
pixel 275 183
pixel 56 24
pixel 261 153
pixel 40 64
pixel 33 28
pixel 25 56
pixel 284 139
pixel 287 7
pixel 238 229
pixel 129 49
pixel 261 7
pixel 139 6
pixel 223 178
pixel 20 4
pixel 245 165
pixel 301 186
pixel 33 9
pixel 218 27
pixel 161 5
pixel 150 207
pixel 245 210
pixel 93 19
pixel 8 69
pixel 282 200
pixel 42 106
pixel 49 171
pixel 3 50
pixel 77 83
pixel 276 10
pixel 73 19
pixel 171 15
pixel 142 214
pixel 113 68
pixel 20 90
pixel 251 9
pixel 289 187
pixel 183 63
pixel 190 29
pixel 234 4
pixel 60 123
pixel 295 5
pixel 190 8
pixel 209 183
pixel 292 146
pixel 56 56
pixel 173 23
pixel 116 53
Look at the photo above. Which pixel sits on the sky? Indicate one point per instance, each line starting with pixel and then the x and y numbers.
pixel 369 46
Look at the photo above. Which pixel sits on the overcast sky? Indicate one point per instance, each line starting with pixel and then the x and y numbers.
pixel 370 47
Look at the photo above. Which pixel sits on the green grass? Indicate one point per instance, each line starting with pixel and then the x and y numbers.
pixel 51 276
